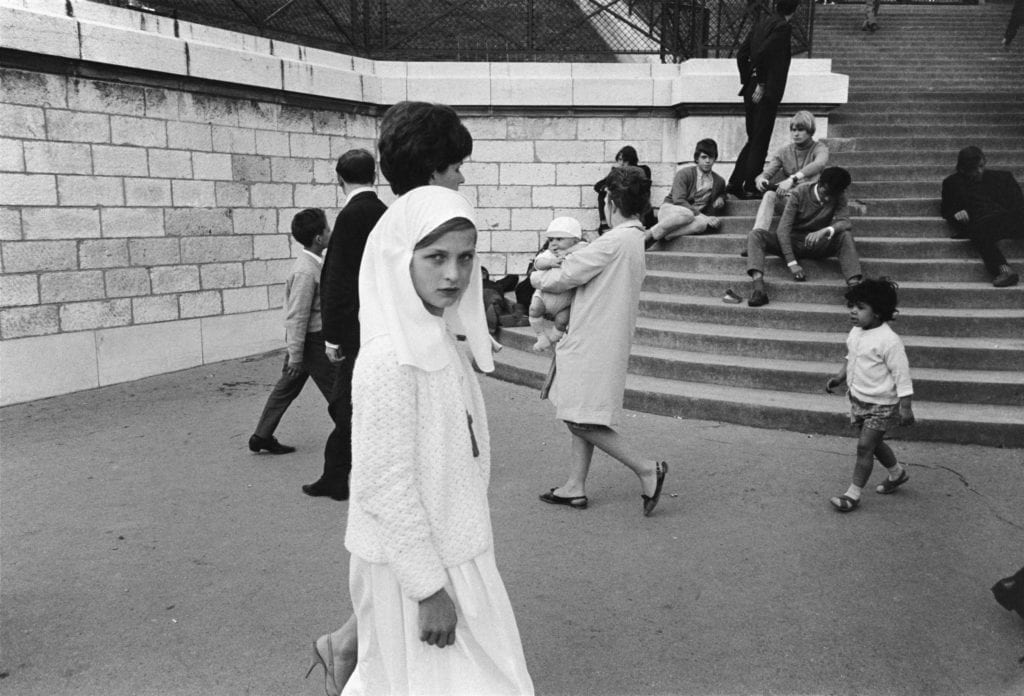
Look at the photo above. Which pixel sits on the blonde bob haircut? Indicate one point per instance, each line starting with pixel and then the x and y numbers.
pixel 804 120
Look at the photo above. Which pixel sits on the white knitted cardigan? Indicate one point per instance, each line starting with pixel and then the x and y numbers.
pixel 418 495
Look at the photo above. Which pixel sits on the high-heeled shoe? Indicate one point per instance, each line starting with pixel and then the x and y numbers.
pixel 323 654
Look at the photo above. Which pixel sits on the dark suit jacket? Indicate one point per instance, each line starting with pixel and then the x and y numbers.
pixel 765 55
pixel 1001 187
pixel 339 280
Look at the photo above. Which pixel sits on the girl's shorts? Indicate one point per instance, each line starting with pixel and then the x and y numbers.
pixel 583 426
pixel 880 417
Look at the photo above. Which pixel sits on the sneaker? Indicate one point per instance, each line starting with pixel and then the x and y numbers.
pixel 1005 279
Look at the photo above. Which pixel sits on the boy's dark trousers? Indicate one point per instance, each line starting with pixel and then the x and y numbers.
pixel 316 365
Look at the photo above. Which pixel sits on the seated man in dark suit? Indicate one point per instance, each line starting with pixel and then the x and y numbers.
pixel 984 205
pixel 814 225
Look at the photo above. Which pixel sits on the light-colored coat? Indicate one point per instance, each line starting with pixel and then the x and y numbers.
pixel 591 360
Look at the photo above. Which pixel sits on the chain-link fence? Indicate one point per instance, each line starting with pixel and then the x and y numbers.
pixel 494 30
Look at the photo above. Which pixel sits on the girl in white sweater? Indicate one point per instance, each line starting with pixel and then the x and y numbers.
pixel 432 612
pixel 877 375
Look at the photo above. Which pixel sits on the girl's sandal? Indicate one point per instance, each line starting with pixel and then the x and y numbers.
pixel 889 486
pixel 844 503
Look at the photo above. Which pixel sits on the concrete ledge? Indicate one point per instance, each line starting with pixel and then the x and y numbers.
pixel 237 335
pixel 137 40
pixel 715 81
pixel 42 366
pixel 143 350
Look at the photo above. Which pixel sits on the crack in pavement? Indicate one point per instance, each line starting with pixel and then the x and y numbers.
pixel 966 484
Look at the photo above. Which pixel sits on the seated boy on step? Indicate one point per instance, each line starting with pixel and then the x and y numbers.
pixel 814 225
pixel 697 195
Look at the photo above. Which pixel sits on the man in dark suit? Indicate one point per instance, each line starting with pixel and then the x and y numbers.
pixel 339 302
pixel 984 205
pixel 763 60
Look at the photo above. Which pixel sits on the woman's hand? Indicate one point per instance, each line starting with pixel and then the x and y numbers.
pixel 437 619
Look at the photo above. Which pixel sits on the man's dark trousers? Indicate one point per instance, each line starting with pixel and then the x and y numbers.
pixel 338 451
pixel 760 122
pixel 339 305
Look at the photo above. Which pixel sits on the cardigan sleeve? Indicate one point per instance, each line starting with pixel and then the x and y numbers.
pixel 387 424
pixel 895 357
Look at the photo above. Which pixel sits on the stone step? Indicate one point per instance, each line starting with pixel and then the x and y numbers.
pixel 866 104
pixel 1000 157
pixel 844 117
pixel 887 170
pixel 984 424
pixel 808 377
pixel 740 339
pixel 823 290
pixel 883 144
pixel 873 207
pixel 962 133
pixel 868 246
pixel 944 101
pixel 932 227
pixel 900 270
pixel 942 322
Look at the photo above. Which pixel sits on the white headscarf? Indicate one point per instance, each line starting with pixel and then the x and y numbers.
pixel 388 303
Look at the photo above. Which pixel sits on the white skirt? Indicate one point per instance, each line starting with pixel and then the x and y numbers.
pixel 487 657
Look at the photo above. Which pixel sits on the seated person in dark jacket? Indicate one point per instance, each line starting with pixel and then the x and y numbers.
pixel 496 305
pixel 697 195
pixel 814 225
pixel 626 157
pixel 985 205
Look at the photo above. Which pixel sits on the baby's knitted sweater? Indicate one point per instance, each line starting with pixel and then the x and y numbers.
pixel 418 495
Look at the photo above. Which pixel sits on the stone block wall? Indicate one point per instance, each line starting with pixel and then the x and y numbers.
pixel 149 173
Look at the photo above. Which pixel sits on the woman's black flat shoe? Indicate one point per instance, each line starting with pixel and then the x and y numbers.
pixel 579 502
pixel 651 501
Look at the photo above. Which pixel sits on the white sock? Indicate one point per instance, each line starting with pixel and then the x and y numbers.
pixel 853 492
pixel 895 472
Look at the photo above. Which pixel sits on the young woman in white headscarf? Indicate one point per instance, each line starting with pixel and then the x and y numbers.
pixel 432 613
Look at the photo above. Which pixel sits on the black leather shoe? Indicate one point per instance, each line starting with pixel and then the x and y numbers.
pixel 270 444
pixel 322 489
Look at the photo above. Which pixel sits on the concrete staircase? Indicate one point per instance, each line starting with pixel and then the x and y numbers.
pixel 932 80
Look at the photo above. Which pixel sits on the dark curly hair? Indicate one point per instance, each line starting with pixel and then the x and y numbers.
pixel 708 147
pixel 877 293
pixel 418 139
pixel 307 224
pixel 630 190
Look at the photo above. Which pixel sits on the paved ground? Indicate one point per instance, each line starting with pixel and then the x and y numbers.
pixel 145 551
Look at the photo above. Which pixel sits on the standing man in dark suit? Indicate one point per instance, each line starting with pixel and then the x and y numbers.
pixel 339 301
pixel 985 205
pixel 763 60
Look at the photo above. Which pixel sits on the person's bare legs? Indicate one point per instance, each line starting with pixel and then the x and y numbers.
pixel 584 440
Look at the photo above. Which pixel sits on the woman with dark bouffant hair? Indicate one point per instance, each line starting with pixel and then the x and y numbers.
pixel 589 375
pixel 422 143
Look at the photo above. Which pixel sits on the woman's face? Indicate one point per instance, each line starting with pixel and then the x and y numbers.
pixel 449 177
pixel 440 270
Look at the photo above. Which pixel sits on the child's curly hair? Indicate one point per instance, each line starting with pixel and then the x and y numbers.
pixel 877 293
